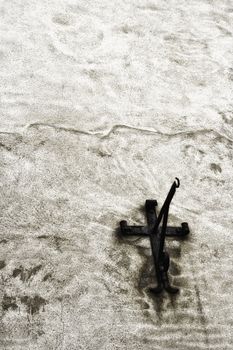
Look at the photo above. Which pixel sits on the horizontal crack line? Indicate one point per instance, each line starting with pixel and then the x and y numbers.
pixel 106 134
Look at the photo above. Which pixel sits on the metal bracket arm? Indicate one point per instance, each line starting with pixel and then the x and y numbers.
pixel 157 235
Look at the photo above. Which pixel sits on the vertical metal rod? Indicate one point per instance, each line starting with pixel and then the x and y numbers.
pixel 166 204
pixel 163 232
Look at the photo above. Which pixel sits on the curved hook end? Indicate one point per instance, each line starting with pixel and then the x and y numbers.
pixel 177 182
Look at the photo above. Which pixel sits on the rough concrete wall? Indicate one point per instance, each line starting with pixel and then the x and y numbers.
pixel 102 105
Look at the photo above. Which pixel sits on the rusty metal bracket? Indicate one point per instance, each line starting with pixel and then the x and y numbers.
pixel 157 236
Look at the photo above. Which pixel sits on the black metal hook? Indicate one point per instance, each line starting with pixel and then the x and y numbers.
pixel 157 237
pixel 178 182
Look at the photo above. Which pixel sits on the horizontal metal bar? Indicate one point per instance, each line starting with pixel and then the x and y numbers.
pixel 171 231
pixel 133 230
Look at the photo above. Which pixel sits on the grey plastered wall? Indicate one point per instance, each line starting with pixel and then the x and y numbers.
pixel 102 105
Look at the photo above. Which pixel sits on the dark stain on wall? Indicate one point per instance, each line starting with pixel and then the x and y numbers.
pixel 9 302
pixel 2 264
pixel 33 304
pixel 26 274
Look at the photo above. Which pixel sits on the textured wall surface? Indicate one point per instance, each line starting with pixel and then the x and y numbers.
pixel 102 104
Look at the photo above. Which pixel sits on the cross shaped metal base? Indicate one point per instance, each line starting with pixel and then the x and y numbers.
pixel 157 237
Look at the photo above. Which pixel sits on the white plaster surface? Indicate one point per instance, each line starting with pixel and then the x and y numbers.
pixel 102 104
